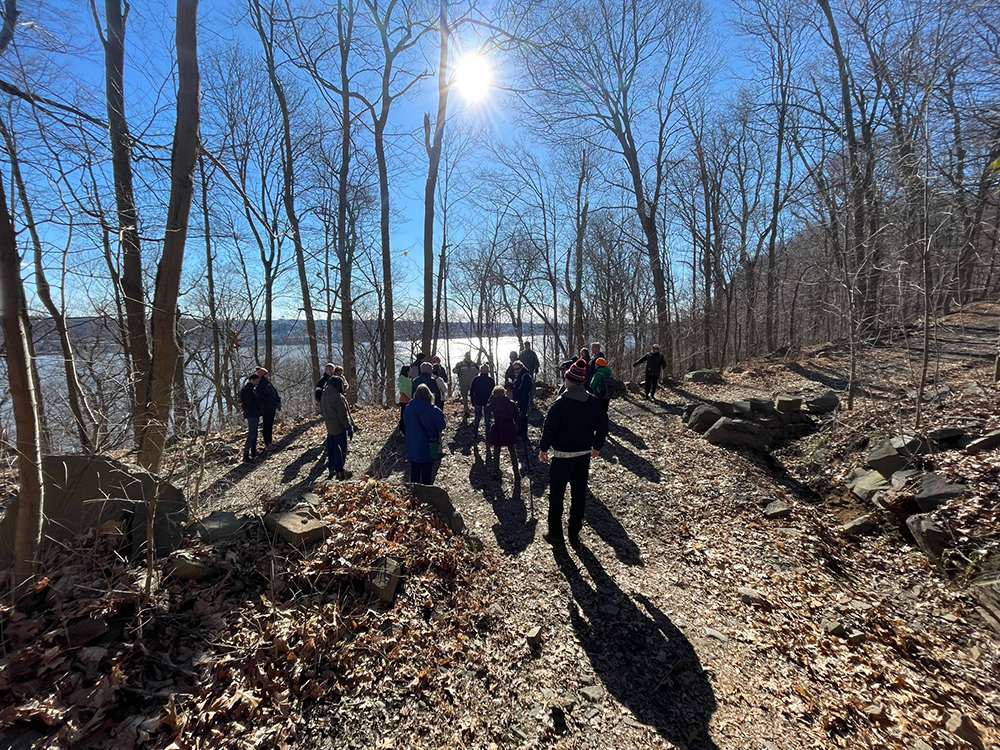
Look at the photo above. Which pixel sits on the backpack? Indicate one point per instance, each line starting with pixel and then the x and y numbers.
pixel 613 387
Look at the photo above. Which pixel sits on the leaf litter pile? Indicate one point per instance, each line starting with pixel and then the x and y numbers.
pixel 233 662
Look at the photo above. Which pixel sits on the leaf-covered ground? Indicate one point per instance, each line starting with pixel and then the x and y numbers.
pixel 686 619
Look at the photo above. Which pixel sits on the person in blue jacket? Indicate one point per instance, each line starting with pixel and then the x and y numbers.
pixel 424 425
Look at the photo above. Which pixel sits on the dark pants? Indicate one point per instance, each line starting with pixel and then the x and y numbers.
pixel 572 471
pixel 651 380
pixel 250 444
pixel 496 459
pixel 420 473
pixel 522 427
pixel 402 427
pixel 336 451
pixel 480 411
pixel 268 426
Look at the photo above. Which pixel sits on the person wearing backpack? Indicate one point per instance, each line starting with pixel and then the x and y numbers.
pixel 654 363
pixel 424 425
pixel 600 383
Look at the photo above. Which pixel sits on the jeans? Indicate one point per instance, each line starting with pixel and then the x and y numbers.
pixel 336 451
pixel 496 459
pixel 572 471
pixel 268 427
pixel 420 473
pixel 480 411
pixel 464 390
pixel 250 444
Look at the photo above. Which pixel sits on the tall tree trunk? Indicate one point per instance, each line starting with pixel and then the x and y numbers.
pixel 133 288
pixel 345 28
pixel 168 273
pixel 432 144
pixel 217 367
pixel 388 324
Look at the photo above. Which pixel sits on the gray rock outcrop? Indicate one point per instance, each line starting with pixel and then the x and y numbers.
pixel 704 376
pixel 702 417
pixel 929 536
pixel 738 432
pixel 934 490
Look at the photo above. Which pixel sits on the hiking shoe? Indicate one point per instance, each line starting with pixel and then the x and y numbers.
pixel 556 540
pixel 574 539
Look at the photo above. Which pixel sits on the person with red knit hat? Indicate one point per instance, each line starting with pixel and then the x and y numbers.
pixel 575 430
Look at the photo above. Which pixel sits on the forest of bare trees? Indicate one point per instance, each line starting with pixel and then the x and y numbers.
pixel 188 191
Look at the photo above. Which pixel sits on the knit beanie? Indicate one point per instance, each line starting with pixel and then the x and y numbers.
pixel 601 361
pixel 577 371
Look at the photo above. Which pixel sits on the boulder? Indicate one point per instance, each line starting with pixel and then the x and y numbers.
pixel 859 526
pixel 704 376
pixel 762 406
pixel 900 478
pixel 439 499
pixel 82 492
pixel 217 526
pixel 191 566
pixel 929 536
pixel 885 459
pixel 298 529
pixel 934 490
pixel 741 409
pixel 949 438
pixel 987 442
pixel 824 403
pixel 738 432
pixel 752 597
pixel 788 404
pixel 866 485
pixel 702 417
pixel 383 578
pixel 909 445
pixel 634 387
pixel 777 509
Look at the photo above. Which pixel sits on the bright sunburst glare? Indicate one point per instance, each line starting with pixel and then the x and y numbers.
pixel 473 77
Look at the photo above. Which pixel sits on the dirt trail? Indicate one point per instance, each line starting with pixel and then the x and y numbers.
pixel 650 636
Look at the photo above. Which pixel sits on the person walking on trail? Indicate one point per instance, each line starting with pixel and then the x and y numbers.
pixel 405 385
pixel 508 377
pixel 523 386
pixel 480 392
pixel 654 364
pixel 530 360
pixel 504 431
pixel 600 383
pixel 250 402
pixel 328 372
pixel 575 430
pixel 270 403
pixel 424 425
pixel 466 371
pixel 339 427
pixel 427 378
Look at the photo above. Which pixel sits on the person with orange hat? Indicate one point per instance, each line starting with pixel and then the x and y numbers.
pixel 600 382
pixel 575 430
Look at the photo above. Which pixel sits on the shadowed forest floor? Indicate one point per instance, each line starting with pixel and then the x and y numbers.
pixel 649 635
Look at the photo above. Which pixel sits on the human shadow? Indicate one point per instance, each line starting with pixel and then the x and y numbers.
pixel 624 433
pixel 514 529
pixel 643 659
pixel 779 472
pixel 639 465
pixel 390 458
pixel 609 528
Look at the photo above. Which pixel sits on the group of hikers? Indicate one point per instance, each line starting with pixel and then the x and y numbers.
pixel 574 430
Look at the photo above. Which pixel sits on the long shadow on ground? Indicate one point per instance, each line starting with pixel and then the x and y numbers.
pixel 603 522
pixel 390 459
pixel 642 658
pixel 514 530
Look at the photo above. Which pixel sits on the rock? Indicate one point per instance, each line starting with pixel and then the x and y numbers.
pixel 949 438
pixel 297 529
pixel 877 714
pixel 920 745
pixel 909 445
pixel 834 628
pixel 592 693
pixel 741 409
pixel 751 597
pixel 931 538
pixel 216 527
pixel 713 633
pixel 191 567
pixel 777 509
pixel 439 499
pixel 702 417
pixel 762 406
pixel 859 526
pixel 310 497
pixel 856 638
pixel 83 492
pixel 961 726
pixel 788 404
pixel 885 459
pixel 738 432
pixel 704 376
pixel 534 637
pixel 987 442
pixel 866 485
pixel 383 578
pixel 83 631
pixel 824 404
pixel 934 490
pixel 900 478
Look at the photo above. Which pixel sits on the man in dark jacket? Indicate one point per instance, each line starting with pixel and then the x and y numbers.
pixel 250 401
pixel 595 354
pixel 270 402
pixel 530 360
pixel 654 363
pixel 575 428
pixel 426 377
pixel 328 372
pixel 523 386
pixel 480 392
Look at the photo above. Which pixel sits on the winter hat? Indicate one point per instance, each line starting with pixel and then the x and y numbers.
pixel 436 360
pixel 577 371
pixel 601 361
pixel 425 367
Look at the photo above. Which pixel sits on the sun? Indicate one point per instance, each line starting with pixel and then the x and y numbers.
pixel 473 77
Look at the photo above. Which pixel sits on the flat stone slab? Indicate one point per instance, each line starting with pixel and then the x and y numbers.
pixel 217 526
pixel 788 404
pixel 934 490
pixel 859 526
pixel 192 567
pixel 866 485
pixel 383 578
pixel 777 509
pixel 297 529
pixel 885 459
pixel 738 432
pixel 987 442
